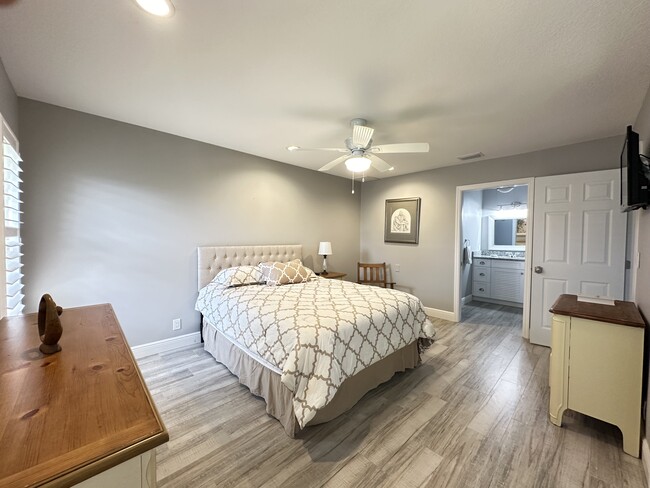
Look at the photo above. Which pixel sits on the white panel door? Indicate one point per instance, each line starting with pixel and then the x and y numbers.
pixel 578 243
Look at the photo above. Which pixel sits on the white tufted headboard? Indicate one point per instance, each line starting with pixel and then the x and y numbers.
pixel 215 258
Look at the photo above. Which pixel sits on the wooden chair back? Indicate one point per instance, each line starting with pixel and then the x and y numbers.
pixel 373 274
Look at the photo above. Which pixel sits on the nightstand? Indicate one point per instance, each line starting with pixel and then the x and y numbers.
pixel 596 364
pixel 333 275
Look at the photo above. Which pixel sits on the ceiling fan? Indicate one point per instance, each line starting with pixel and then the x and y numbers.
pixel 360 154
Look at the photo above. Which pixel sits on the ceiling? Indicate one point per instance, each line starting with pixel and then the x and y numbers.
pixel 502 77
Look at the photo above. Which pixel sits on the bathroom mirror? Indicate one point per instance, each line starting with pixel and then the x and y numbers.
pixel 506 234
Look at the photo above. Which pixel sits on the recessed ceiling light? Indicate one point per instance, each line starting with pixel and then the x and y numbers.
pixel 160 8
pixel 505 189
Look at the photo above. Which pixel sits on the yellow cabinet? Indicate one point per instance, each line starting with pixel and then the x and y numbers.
pixel 596 364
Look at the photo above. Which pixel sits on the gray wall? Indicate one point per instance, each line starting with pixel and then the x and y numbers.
pixel 114 213
pixel 493 198
pixel 491 201
pixel 8 100
pixel 642 126
pixel 427 269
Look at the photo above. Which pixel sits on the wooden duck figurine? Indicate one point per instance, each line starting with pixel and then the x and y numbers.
pixel 49 325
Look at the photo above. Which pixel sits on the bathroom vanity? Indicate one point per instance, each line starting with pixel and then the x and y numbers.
pixel 498 279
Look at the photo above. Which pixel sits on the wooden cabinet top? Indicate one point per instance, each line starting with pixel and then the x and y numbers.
pixel 622 313
pixel 333 275
pixel 70 415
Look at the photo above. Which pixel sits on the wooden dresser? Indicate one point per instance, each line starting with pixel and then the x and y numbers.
pixel 596 365
pixel 83 413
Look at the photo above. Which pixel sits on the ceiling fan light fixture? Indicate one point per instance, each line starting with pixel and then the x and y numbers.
pixel 357 164
pixel 159 8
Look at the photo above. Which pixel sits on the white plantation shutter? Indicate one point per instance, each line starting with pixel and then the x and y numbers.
pixel 12 221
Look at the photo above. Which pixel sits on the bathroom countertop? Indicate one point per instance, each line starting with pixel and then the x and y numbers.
pixel 502 258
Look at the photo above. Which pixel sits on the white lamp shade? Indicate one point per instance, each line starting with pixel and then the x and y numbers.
pixel 325 248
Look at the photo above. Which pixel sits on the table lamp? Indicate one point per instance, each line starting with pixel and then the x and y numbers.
pixel 325 249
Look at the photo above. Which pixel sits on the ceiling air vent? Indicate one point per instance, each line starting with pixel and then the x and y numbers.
pixel 467 157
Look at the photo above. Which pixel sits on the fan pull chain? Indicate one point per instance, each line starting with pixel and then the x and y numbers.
pixel 353 182
pixel 363 177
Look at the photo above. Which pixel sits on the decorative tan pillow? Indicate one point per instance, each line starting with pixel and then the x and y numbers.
pixel 239 276
pixel 310 273
pixel 275 273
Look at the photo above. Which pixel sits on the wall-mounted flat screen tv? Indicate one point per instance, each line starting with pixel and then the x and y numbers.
pixel 638 174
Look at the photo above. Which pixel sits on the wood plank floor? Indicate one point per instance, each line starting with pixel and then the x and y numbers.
pixel 474 414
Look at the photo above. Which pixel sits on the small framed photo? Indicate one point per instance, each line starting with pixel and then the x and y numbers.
pixel 402 220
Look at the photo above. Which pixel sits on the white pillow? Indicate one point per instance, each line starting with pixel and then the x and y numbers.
pixel 239 276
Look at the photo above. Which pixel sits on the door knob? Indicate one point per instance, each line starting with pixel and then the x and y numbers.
pixel 538 269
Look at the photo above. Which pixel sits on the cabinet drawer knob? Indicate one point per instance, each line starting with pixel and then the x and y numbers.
pixel 481 289
pixel 482 274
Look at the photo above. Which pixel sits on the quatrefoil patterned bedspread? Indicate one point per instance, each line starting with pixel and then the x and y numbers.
pixel 318 333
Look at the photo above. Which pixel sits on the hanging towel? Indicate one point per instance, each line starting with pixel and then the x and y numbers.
pixel 467 253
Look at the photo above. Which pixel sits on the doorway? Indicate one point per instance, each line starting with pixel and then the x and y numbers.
pixel 493 248
pixel 579 244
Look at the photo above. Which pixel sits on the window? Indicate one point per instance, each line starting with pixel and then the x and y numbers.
pixel 11 299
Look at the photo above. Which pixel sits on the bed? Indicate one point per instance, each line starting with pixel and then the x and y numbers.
pixel 311 349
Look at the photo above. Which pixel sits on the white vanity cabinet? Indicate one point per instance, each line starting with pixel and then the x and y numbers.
pixel 481 268
pixel 498 280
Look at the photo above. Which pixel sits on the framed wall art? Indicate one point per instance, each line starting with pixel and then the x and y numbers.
pixel 402 220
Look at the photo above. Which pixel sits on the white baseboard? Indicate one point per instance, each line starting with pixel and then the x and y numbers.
pixel 166 345
pixel 499 302
pixel 439 314
pixel 466 300
pixel 645 458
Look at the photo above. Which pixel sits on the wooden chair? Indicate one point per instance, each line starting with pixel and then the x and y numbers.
pixel 373 274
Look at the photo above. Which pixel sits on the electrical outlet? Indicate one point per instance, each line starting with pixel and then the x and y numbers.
pixel 176 324
pixel 396 267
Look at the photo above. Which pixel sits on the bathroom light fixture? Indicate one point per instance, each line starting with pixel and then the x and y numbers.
pixel 512 205
pixel 159 8
pixel 505 189
pixel 357 164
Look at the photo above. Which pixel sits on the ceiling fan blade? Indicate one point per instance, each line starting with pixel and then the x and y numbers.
pixel 407 147
pixel 379 164
pixel 361 135
pixel 334 149
pixel 336 162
